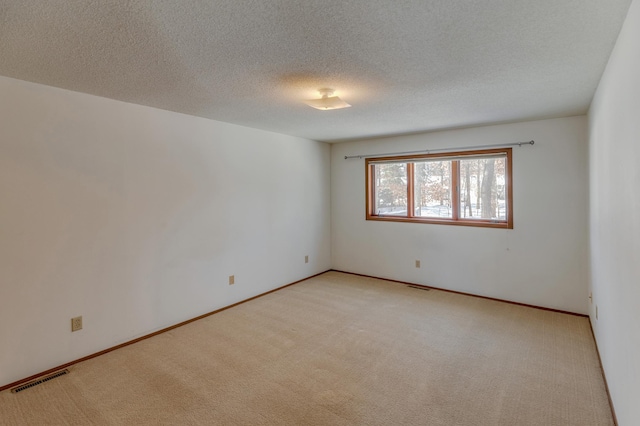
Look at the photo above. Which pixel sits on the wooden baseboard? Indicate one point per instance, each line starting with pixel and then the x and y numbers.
pixel 155 333
pixel 604 376
pixel 464 294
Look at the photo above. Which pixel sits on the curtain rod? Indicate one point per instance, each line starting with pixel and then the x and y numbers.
pixel 429 151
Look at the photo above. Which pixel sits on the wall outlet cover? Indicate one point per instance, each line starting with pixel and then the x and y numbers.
pixel 76 323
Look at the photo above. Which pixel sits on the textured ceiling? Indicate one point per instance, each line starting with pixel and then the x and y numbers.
pixel 405 66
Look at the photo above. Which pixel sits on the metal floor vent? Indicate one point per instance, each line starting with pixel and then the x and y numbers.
pixel 419 288
pixel 38 381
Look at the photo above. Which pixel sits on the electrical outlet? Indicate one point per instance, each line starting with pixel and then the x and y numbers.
pixel 417 263
pixel 596 312
pixel 76 323
pixel 306 259
pixel 232 279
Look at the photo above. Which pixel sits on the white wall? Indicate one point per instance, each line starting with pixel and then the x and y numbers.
pixel 614 125
pixel 135 217
pixel 542 261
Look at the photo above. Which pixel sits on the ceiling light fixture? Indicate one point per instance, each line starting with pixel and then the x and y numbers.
pixel 327 101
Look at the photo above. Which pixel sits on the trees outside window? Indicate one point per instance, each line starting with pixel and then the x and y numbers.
pixel 471 188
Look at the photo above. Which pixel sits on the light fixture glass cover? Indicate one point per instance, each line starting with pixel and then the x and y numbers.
pixel 327 101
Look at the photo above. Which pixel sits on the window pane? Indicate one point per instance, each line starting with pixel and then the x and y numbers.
pixel 391 189
pixel 432 187
pixel 482 189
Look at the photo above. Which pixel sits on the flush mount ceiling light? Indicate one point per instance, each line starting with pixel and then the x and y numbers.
pixel 327 101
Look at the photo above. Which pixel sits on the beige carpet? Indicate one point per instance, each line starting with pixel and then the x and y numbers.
pixel 339 350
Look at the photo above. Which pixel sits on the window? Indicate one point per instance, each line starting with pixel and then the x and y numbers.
pixel 471 188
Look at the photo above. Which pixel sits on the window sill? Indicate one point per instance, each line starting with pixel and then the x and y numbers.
pixel 475 223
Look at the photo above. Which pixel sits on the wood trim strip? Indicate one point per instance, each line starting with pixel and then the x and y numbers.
pixel 443 155
pixel 411 209
pixel 155 333
pixel 474 222
pixel 465 294
pixel 370 198
pixel 604 376
pixel 455 190
pixel 509 181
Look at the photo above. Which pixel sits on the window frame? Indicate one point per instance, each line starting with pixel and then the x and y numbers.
pixel 455 189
